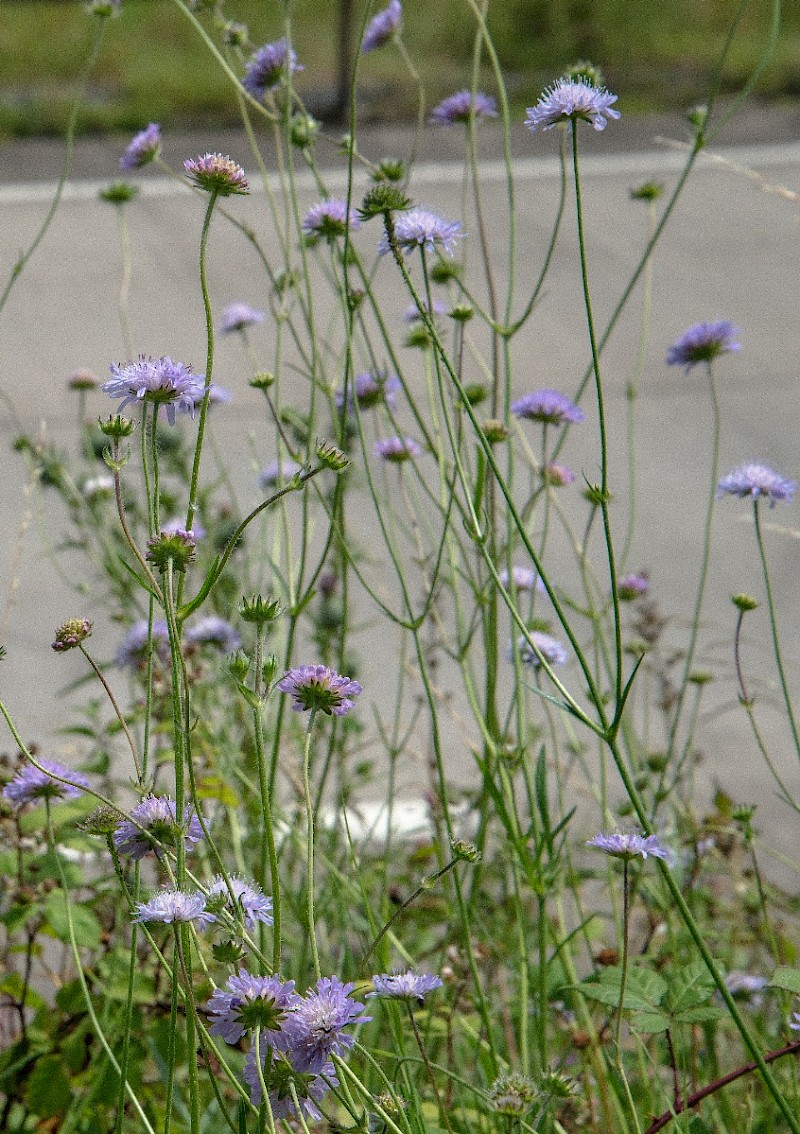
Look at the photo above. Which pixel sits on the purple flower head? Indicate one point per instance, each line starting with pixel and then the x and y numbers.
pixel 412 314
pixel 523 578
pixel 214 631
pixel 31 785
pixel 631 844
pixel 703 343
pixel 309 1087
pixel 132 650
pixel 382 27
pixel 757 481
pixel 397 449
pixel 317 687
pixel 175 906
pixel 267 68
pixel 263 1002
pixel 177 525
pixel 278 473
pixel 548 406
pixel 404 986
pixel 368 389
pixel 794 1023
pixel 143 148
pixel 329 219
pixel 550 649
pixel 216 174
pixel 217 395
pixel 569 100
pixel 254 905
pixel 238 316
pixel 420 229
pixel 158 815
pixel 462 107
pixel 316 1026
pixel 745 984
pixel 630 587
pixel 556 475
pixel 159 380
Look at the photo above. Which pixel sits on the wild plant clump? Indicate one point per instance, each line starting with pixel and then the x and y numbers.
pixel 385 815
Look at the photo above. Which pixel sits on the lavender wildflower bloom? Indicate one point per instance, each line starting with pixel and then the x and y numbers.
pixel 419 228
pixel 214 631
pixel 329 219
pixel 745 984
pixel 550 649
pixel 318 687
pixel 556 475
pixel 630 587
pixel 703 343
pixel 569 100
pixel 462 107
pixel 523 578
pixel 309 1087
pixel 395 450
pixel 794 1023
pixel 158 814
pixel 631 844
pixel 143 148
pixel 267 67
pixel 263 1002
pixel 368 389
pixel 255 906
pixel 412 312
pixel 238 316
pixel 277 472
pixel 216 174
pixel 404 986
pixel 316 1026
pixel 548 406
pixel 171 906
pixel 382 27
pixel 757 481
pixel 132 650
pixel 30 784
pixel 217 395
pixel 159 380
pixel 176 524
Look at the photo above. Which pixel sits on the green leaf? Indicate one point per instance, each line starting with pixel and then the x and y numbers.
pixel 85 924
pixel 702 1014
pixel 650 1022
pixel 693 985
pixel 786 978
pixel 48 1092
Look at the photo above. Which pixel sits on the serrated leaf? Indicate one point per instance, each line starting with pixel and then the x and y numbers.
pixel 644 988
pixel 786 978
pixel 48 1092
pixel 702 1014
pixel 607 994
pixel 85 925
pixel 692 985
pixel 650 1022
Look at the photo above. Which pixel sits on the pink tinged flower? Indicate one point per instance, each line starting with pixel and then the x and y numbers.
pixel 216 174
pixel 253 1002
pixel 396 450
pixel 404 986
pixel 159 380
pixel 463 107
pixel 249 902
pixel 30 784
pixel 419 228
pixel 315 1028
pixel 173 906
pixel 556 475
pixel 239 316
pixel 143 148
pixel 267 68
pixel 319 688
pixel 630 587
pixel 703 343
pixel 329 219
pixel 382 27
pixel 158 816
pixel 569 101
pixel 757 482
pixel 632 844
pixel 177 524
pixel 523 578
pixel 368 389
pixel 548 406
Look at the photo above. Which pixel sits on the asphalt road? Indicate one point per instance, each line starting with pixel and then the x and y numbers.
pixel 730 251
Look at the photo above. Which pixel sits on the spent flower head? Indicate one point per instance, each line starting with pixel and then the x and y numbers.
pixel 253 1002
pixel 143 148
pixel 248 900
pixel 572 100
pixel 268 66
pixel 319 688
pixel 512 1094
pixel 175 548
pixel 156 826
pixel 632 844
pixel 171 906
pixel 316 1027
pixel 216 174
pixel 404 986
pixel 703 343
pixel 548 406
pixel 464 106
pixel 421 229
pixel 158 380
pixel 239 316
pixel 757 482
pixel 213 630
pixel 31 784
pixel 382 199
pixel 71 633
pixel 382 27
